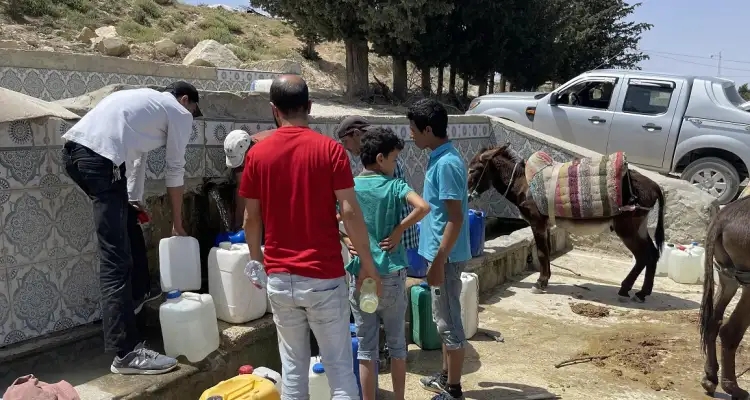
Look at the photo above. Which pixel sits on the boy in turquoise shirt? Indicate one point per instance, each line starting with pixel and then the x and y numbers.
pixel 381 197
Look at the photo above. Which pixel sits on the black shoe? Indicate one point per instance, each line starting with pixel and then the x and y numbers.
pixel 435 383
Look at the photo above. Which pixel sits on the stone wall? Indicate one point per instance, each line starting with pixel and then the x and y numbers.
pixel 54 76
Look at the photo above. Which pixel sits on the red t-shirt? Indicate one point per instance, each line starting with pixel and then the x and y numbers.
pixel 294 173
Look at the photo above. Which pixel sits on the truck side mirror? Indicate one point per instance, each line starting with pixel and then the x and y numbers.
pixel 553 97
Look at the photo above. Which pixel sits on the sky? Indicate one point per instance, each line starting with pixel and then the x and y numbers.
pixel 685 36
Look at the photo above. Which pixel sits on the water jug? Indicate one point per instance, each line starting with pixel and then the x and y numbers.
pixel 262 372
pixel 476 232
pixel 179 263
pixel 188 325
pixel 424 330
pixel 236 299
pixel 662 267
pixel 318 381
pixel 470 303
pixel 355 365
pixel 243 387
pixel 696 250
pixel 368 296
pixel 684 267
pixel 417 267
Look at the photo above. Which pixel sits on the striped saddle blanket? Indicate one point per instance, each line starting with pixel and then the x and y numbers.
pixel 583 188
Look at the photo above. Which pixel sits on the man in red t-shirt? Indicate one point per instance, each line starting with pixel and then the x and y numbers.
pixel 292 181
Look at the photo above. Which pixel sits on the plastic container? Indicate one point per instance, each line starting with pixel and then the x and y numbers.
pixel 696 250
pixel 355 364
pixel 263 372
pixel 662 267
pixel 188 325
pixel 424 330
pixel 476 232
pixel 417 267
pixel 236 299
pixel 243 387
pixel 368 297
pixel 684 267
pixel 470 303
pixel 318 381
pixel 179 263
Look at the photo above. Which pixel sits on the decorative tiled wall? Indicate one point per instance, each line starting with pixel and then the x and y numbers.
pixel 55 84
pixel 48 258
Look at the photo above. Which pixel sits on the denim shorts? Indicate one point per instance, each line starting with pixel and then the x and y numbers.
pixel 391 310
pixel 446 307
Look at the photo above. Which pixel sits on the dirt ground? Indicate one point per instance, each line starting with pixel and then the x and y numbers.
pixel 635 351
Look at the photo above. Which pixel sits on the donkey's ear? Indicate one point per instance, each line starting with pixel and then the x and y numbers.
pixel 489 154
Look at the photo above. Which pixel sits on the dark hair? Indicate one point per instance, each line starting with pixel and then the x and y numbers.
pixel 377 140
pixel 429 112
pixel 290 94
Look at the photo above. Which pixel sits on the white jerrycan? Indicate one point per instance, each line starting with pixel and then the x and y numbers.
pixel 470 303
pixel 237 300
pixel 179 263
pixel 188 325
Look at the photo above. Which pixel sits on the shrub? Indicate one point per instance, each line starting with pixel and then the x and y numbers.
pixel 186 39
pixel 138 32
pixel 149 7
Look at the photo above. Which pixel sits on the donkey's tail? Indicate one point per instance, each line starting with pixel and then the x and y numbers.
pixel 659 234
pixel 707 304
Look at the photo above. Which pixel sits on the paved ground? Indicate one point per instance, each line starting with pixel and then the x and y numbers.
pixel 660 339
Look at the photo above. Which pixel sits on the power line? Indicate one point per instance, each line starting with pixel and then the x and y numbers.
pixel 695 63
pixel 692 56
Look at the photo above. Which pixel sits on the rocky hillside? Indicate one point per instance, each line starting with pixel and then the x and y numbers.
pixel 166 31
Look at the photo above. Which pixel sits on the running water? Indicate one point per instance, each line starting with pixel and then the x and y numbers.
pixel 221 207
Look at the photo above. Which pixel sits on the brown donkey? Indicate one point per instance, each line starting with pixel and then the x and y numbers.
pixel 498 167
pixel 727 244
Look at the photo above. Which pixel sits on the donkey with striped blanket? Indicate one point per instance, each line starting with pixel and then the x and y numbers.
pixel 583 197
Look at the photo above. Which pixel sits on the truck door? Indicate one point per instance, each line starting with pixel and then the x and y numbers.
pixel 643 120
pixel 582 114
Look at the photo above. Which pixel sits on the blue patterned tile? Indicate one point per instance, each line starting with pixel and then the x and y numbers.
pixel 216 131
pixel 80 290
pixel 195 162
pixel 16 134
pixel 75 230
pixel 198 136
pixel 156 163
pixel 28 226
pixel 5 305
pixel 22 167
pixel 35 299
pixel 216 165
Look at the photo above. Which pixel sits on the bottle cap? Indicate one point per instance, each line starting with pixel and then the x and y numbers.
pixel 318 368
pixel 173 294
pixel 695 243
pixel 425 285
pixel 353 329
pixel 245 370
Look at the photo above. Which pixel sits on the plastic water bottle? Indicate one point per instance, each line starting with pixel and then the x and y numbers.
pixel 256 273
pixel 368 296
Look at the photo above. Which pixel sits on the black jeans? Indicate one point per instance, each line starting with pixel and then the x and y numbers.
pixel 106 185
pixel 140 279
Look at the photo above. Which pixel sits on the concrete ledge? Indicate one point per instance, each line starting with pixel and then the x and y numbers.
pixel 99 63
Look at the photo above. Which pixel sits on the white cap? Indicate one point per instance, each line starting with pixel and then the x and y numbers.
pixel 235 146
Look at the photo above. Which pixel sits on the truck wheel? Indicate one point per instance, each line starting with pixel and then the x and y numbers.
pixel 714 176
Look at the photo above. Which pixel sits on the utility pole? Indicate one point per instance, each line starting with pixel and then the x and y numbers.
pixel 718 56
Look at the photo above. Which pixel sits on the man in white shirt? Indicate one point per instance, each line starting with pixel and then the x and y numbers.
pixel 124 126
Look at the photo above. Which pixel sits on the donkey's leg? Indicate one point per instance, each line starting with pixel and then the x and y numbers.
pixel 652 257
pixel 633 232
pixel 541 237
pixel 727 288
pixel 731 334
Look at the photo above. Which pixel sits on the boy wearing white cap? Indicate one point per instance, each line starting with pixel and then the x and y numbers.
pixel 236 145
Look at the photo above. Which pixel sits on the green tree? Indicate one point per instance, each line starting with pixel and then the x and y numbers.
pixel 598 34
pixel 744 91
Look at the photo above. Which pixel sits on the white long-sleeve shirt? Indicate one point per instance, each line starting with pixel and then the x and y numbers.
pixel 127 124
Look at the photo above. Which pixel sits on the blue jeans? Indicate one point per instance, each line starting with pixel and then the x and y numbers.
pixel 105 184
pixel 300 304
pixel 446 307
pixel 391 310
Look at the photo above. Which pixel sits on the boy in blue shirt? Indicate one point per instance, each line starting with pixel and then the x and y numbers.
pixel 444 239
pixel 382 197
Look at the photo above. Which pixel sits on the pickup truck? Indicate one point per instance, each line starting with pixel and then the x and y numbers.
pixel 696 127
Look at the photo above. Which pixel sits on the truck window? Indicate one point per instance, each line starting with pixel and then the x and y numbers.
pixel 589 94
pixel 647 99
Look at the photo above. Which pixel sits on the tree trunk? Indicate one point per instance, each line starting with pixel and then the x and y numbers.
pixel 440 81
pixel 503 83
pixel 492 83
pixel 483 86
pixel 399 78
pixel 452 81
pixel 426 82
pixel 466 87
pixel 357 67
